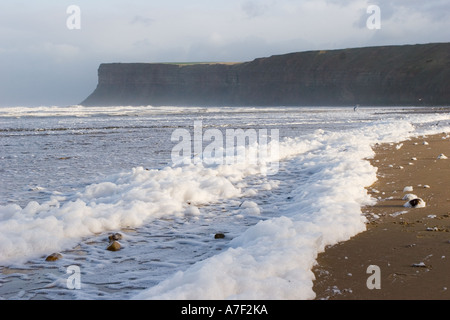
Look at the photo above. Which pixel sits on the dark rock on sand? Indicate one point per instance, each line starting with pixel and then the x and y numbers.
pixel 415 203
pixel 115 236
pixel 54 256
pixel 114 246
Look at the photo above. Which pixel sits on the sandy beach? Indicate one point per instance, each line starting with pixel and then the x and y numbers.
pixel 410 247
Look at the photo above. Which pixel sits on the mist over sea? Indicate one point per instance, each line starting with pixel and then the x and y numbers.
pixel 70 176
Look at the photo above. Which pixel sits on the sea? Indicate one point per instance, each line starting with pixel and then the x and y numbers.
pixel 223 203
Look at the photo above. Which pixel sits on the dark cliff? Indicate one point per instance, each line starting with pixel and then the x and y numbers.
pixel 387 75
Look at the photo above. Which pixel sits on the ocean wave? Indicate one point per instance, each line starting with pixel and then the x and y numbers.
pixel 271 259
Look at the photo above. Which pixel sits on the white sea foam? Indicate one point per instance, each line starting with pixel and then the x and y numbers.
pixel 83 111
pixel 127 200
pixel 271 259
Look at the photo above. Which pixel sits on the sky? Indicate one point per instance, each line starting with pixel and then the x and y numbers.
pixel 50 55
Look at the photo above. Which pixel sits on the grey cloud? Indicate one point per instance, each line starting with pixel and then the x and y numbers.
pixel 254 9
pixel 245 49
pixel 387 11
pixel 433 9
pixel 142 20
pixel 42 62
pixel 436 9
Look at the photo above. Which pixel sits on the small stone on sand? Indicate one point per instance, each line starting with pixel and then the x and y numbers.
pixel 115 236
pixel 114 246
pixel 415 203
pixel 53 257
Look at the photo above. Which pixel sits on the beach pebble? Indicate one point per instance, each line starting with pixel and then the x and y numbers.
pixel 415 203
pixel 426 186
pixel 425 143
pixel 53 257
pixel 115 237
pixel 419 265
pixel 409 197
pixel 219 236
pixel 442 156
pixel 408 189
pixel 114 246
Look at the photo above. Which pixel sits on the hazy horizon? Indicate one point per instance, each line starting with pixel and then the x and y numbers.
pixel 45 62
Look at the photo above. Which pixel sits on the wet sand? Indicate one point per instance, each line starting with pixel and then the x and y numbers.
pixel 410 246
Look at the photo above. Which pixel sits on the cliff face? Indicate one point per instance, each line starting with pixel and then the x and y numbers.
pixel 389 75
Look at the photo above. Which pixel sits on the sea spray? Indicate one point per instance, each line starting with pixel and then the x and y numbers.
pixel 274 225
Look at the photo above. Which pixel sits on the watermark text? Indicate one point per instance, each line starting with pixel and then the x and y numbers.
pixel 374 281
pixel 74 280
pixel 73 22
pixel 237 146
pixel 373 22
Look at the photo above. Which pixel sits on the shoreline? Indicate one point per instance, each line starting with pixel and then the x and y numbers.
pixel 410 246
pixel 334 279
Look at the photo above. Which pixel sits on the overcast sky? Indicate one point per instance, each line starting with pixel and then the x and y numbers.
pixel 43 62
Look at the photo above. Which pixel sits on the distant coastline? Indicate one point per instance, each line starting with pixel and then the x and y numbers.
pixel 406 75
